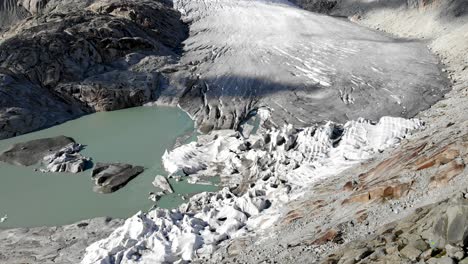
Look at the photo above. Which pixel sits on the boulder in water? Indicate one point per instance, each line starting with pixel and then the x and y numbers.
pixel 32 152
pixel 110 177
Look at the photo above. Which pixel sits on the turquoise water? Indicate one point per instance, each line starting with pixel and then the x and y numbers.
pixel 138 136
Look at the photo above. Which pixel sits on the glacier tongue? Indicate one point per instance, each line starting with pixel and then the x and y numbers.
pixel 264 171
pixel 305 67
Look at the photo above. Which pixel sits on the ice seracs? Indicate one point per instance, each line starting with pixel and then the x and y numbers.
pixel 264 172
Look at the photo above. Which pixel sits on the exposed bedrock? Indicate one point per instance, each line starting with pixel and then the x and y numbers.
pixel 25 106
pixel 57 154
pixel 109 177
pixel 32 152
pixel 64 244
pixel 99 56
pixel 303 66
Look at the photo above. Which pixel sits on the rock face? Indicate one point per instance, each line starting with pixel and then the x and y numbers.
pixel 432 234
pixel 32 152
pixel 57 154
pixel 110 177
pixel 63 244
pixel 67 159
pixel 25 106
pixel 91 58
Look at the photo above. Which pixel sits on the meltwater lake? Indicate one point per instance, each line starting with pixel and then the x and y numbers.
pixel 138 136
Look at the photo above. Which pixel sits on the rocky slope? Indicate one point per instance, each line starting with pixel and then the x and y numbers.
pixel 78 57
pixel 85 56
pixel 341 218
pixel 407 205
pixel 53 245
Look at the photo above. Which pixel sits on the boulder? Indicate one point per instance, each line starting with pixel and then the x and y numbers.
pixel 32 152
pixel 110 177
pixel 70 58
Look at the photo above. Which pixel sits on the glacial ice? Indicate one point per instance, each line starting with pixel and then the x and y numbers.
pixel 67 159
pixel 280 165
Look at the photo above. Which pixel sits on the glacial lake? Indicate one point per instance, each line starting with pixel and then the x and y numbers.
pixel 138 136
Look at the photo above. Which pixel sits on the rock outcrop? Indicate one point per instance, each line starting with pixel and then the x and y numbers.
pixel 64 244
pixel 32 152
pixel 432 234
pixel 110 177
pixel 92 58
pixel 57 154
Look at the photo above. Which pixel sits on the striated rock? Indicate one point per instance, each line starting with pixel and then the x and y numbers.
pixel 11 13
pixel 349 186
pixel 110 177
pixel 393 191
pixel 162 183
pixel 32 152
pixel 33 6
pixel 443 156
pixel 292 216
pixel 112 90
pixel 330 235
pixel 446 173
pixel 25 106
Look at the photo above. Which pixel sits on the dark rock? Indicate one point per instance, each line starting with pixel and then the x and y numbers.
pixel 110 177
pixel 411 252
pixel 74 57
pixel 32 152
